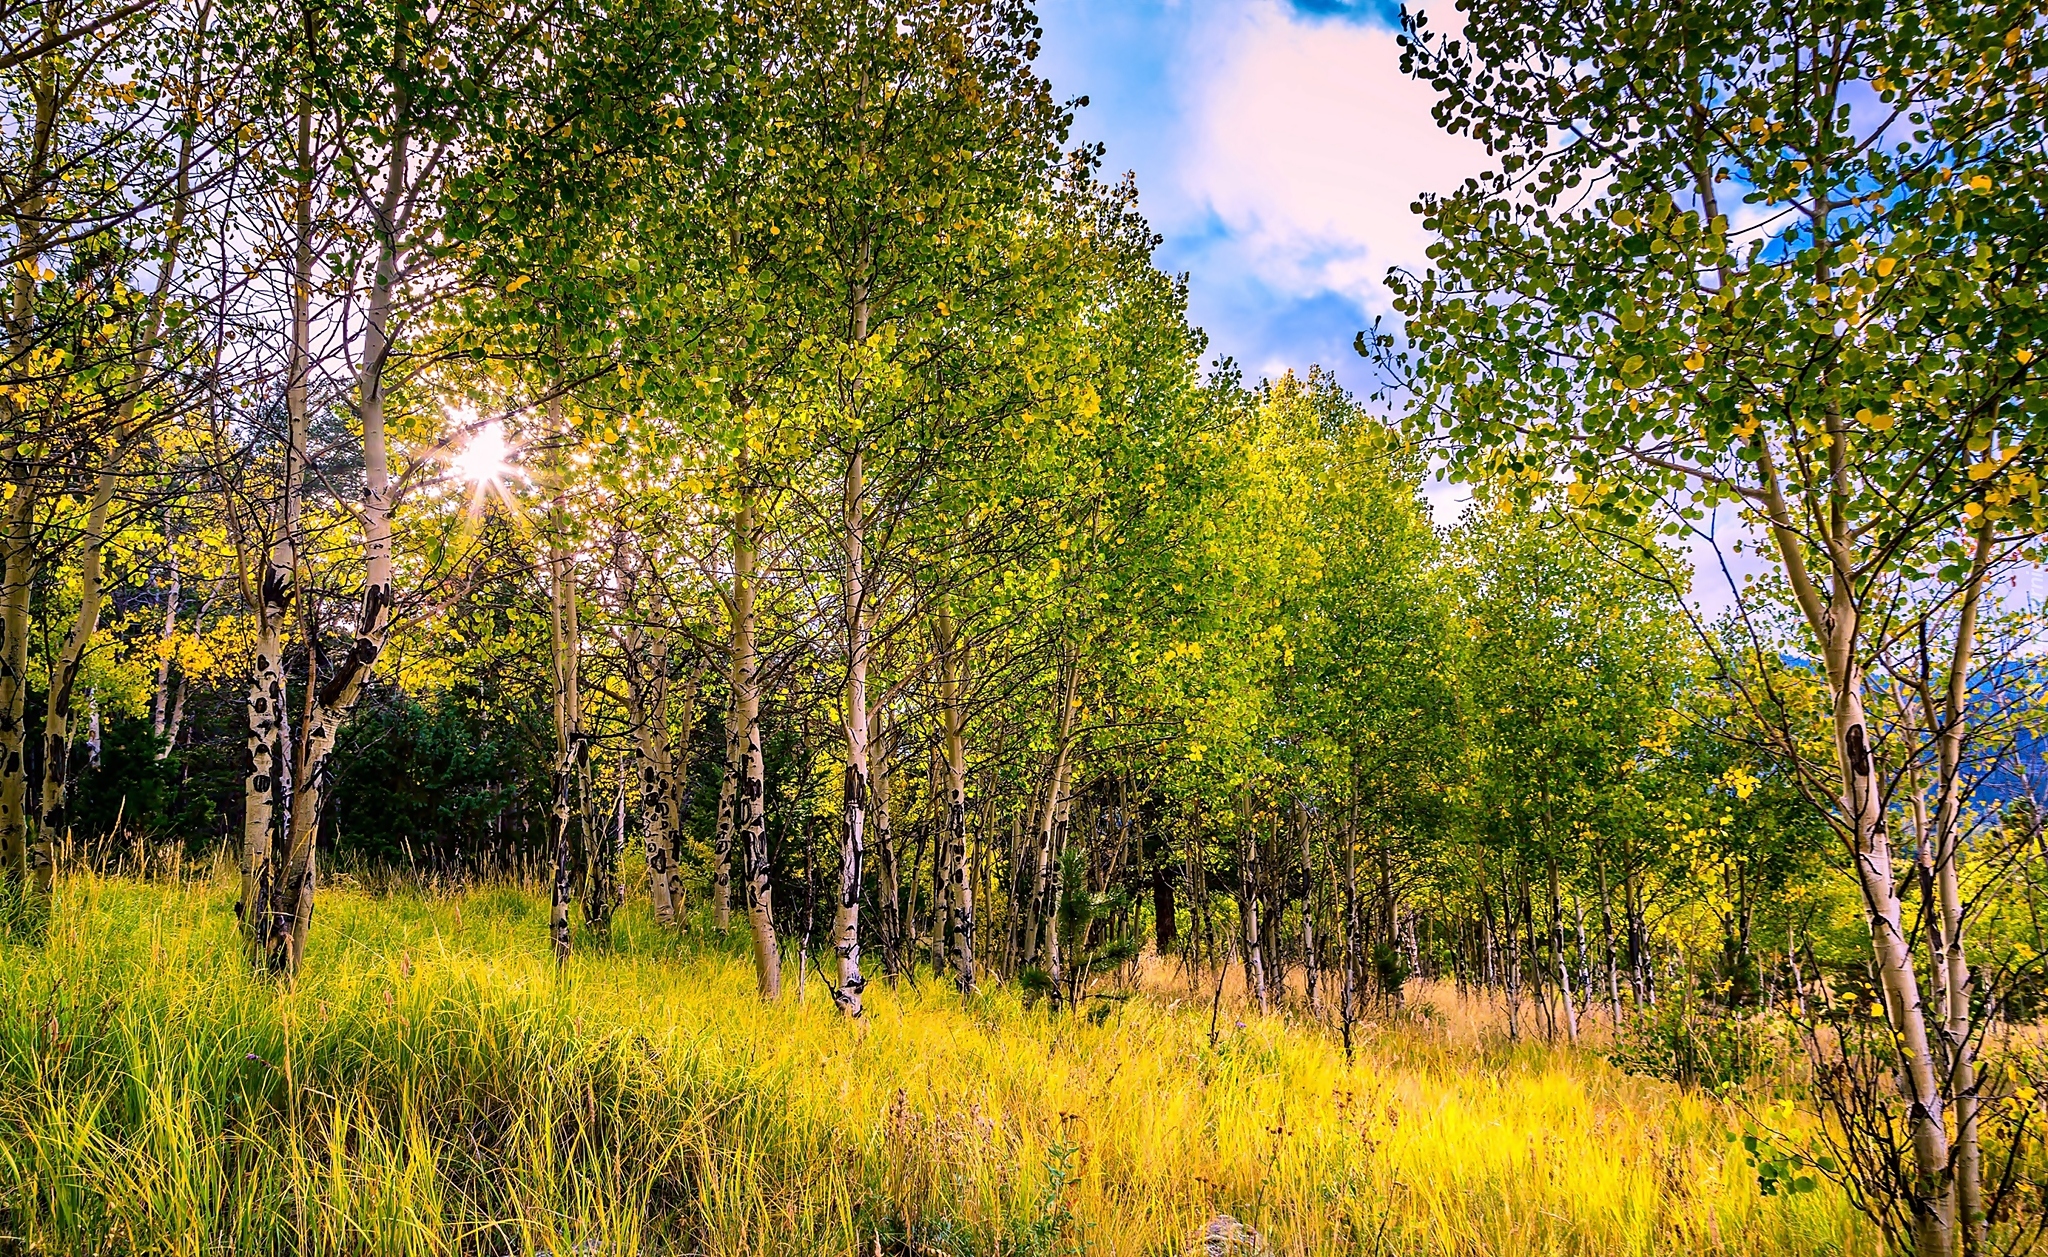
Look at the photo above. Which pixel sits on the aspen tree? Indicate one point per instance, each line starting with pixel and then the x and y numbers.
pixel 750 833
pixel 286 905
pixel 1250 883
pixel 846 992
pixel 728 799
pixel 23 451
pixel 266 794
pixel 925 132
pixel 17 539
pixel 83 168
pixel 1298 814
pixel 1845 374
pixel 125 434
pixel 399 197
pixel 414 94
pixel 647 696
pixel 959 898
pixel 570 841
pixel 1041 942
pixel 889 876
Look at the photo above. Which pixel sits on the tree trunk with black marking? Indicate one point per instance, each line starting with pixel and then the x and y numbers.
pixel 266 788
pixel 64 668
pixel 846 991
pixel 17 539
pixel 569 839
pixel 33 232
pixel 959 899
pixel 728 800
pixel 1308 910
pixel 750 820
pixel 328 706
pixel 889 891
pixel 1248 888
pixel 646 671
pixel 1041 929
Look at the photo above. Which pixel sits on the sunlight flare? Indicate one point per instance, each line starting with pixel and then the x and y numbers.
pixel 483 459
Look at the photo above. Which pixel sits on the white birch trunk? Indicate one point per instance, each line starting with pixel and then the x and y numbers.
pixel 570 840
pixel 728 799
pixel 17 540
pixel 270 766
pixel 1308 913
pixel 889 892
pixel 32 230
pixel 1833 614
pixel 64 669
pixel 1557 957
pixel 674 782
pixel 561 854
pixel 846 993
pixel 1248 912
pixel 332 703
pixel 160 701
pixel 1952 964
pixel 749 801
pixel 647 708
pixel 953 719
pixel 1042 933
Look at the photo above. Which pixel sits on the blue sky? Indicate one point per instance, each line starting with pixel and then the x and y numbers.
pixel 1277 148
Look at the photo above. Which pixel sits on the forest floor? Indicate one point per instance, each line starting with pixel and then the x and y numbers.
pixel 432 1085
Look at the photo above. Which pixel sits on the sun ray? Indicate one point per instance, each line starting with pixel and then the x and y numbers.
pixel 485 464
pixel 482 460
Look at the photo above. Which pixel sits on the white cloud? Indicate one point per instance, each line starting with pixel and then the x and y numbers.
pixel 1308 144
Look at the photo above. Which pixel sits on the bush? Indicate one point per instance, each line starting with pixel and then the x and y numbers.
pixel 1698 1047
pixel 416 783
pixel 133 795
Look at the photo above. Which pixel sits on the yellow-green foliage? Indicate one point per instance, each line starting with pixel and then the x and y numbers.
pixel 432 1086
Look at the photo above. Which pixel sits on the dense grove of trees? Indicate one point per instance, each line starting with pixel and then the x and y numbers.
pixel 492 440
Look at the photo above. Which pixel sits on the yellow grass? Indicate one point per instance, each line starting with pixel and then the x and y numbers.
pixel 433 1086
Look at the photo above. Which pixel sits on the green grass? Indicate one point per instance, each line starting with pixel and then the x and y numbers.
pixel 432 1085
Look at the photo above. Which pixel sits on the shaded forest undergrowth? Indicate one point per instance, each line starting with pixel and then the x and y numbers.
pixel 432 1085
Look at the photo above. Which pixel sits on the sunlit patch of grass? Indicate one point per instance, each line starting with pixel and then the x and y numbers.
pixel 432 1085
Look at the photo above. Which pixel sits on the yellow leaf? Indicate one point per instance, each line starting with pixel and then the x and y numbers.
pixel 1986 469
pixel 1874 421
pixel 1982 183
pixel 517 283
pixel 1695 362
pixel 2024 355
pixel 1885 265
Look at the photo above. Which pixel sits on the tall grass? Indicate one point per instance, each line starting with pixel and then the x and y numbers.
pixel 432 1085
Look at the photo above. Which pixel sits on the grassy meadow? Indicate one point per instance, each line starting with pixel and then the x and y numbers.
pixel 432 1085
